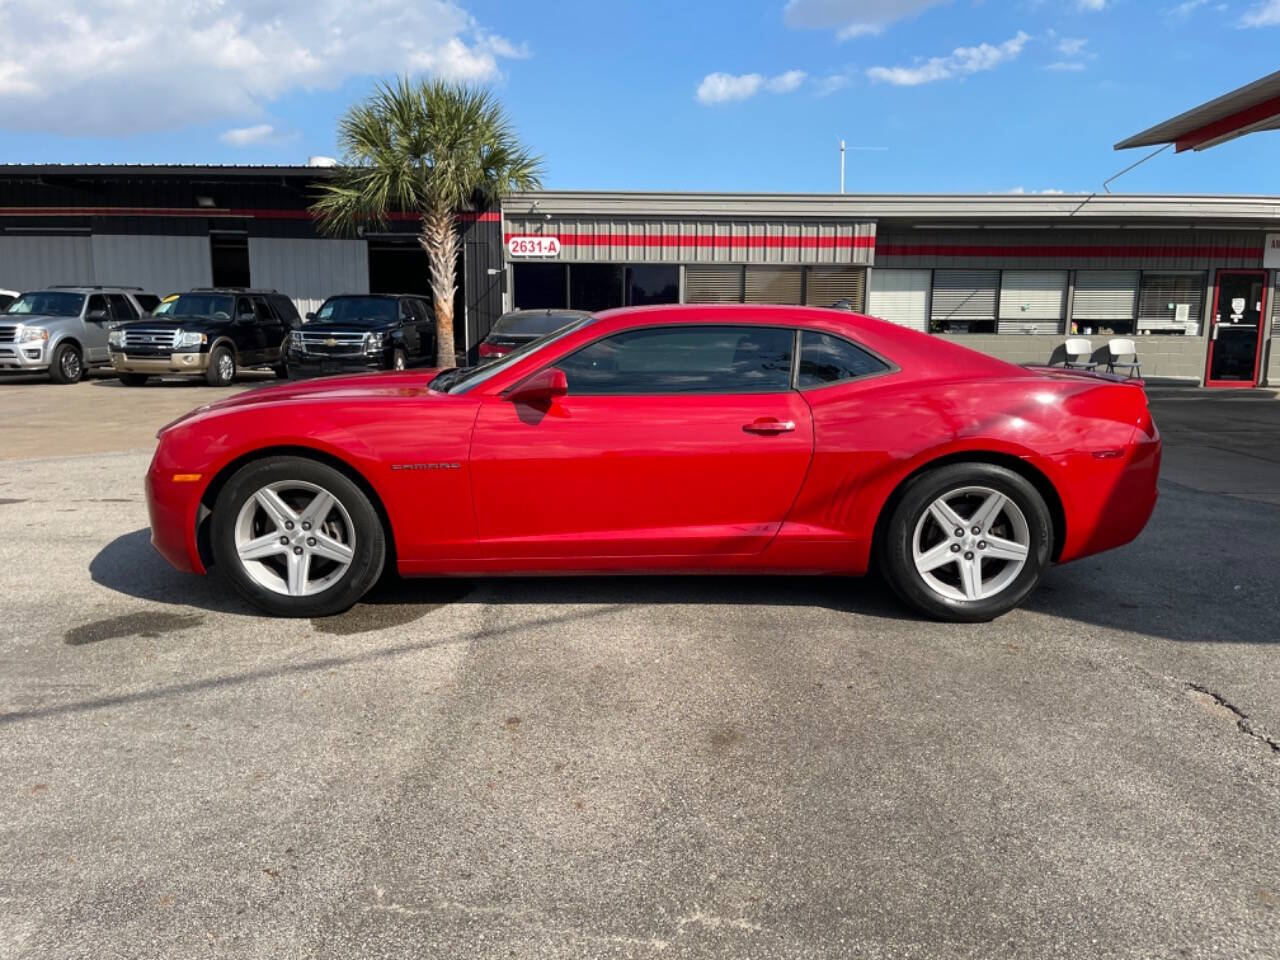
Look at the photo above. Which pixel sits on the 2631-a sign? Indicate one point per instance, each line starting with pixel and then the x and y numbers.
pixel 533 247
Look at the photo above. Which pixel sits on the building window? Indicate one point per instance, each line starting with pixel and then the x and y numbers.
pixel 1032 301
pixel 595 286
pixel 900 296
pixel 783 285
pixel 652 283
pixel 708 283
pixel 539 286
pixel 1171 303
pixel 824 286
pixel 1105 302
pixel 964 301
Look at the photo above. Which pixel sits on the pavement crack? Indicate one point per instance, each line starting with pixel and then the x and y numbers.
pixel 1243 723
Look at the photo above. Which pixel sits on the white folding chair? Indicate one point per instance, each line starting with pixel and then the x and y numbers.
pixel 1123 352
pixel 1079 354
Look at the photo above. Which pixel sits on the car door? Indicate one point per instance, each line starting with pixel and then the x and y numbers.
pixel 672 441
pixel 410 331
pixel 246 332
pixel 273 330
pixel 426 322
pixel 97 324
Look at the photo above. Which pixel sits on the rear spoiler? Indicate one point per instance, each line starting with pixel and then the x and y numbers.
pixel 1073 373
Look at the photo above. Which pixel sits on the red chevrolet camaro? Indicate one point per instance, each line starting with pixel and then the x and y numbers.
pixel 666 439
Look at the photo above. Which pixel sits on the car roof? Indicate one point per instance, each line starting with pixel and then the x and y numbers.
pixel 385 296
pixel 260 291
pixel 86 288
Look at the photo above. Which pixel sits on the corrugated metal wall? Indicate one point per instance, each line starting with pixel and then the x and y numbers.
pixel 638 240
pixel 309 270
pixel 27 262
pixel 161 265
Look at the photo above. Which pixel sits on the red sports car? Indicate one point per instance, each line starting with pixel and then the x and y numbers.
pixel 684 439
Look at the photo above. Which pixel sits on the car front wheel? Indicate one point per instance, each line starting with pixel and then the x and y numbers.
pixel 67 364
pixel 297 538
pixel 967 542
pixel 222 368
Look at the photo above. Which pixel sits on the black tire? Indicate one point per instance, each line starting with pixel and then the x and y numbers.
pixel 281 372
pixel 369 553
pixel 399 361
pixel 67 364
pixel 219 373
pixel 133 379
pixel 897 555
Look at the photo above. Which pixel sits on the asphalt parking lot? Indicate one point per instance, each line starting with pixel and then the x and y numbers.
pixel 647 767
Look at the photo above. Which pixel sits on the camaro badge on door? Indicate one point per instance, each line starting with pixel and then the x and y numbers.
pixel 426 466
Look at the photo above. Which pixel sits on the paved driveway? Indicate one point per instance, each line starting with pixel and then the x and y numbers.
pixel 640 767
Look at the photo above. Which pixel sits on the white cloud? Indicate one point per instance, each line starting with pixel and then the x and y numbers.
pixel 245 136
pixel 1185 9
pixel 786 82
pixel 718 88
pixel 1071 46
pixel 1023 191
pixel 851 18
pixel 1092 4
pixel 104 67
pixel 831 83
pixel 960 62
pixel 1266 14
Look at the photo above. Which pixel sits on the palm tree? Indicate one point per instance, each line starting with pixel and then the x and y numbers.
pixel 429 148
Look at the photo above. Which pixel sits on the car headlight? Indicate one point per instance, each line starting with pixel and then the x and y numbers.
pixel 189 338
pixel 31 334
pixel 373 342
pixel 116 338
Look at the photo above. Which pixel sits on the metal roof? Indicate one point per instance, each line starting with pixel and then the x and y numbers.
pixel 161 170
pixel 920 209
pixel 1249 109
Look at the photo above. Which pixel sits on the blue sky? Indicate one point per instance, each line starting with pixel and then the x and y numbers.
pixel 958 95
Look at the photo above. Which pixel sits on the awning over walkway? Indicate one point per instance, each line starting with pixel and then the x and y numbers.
pixel 1248 110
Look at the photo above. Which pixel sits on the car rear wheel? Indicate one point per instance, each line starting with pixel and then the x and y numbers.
pixel 297 538
pixel 967 542
pixel 133 379
pixel 67 365
pixel 222 368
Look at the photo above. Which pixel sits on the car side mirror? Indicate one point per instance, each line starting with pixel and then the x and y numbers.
pixel 311 315
pixel 96 316
pixel 540 389
pixel 246 317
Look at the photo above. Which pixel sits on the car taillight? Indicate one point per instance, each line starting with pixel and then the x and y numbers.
pixel 489 350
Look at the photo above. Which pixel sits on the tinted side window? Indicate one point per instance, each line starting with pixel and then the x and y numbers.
pixel 266 316
pixel 712 359
pixel 420 310
pixel 96 302
pixel 147 301
pixel 406 312
pixel 285 310
pixel 825 359
pixel 243 306
pixel 121 308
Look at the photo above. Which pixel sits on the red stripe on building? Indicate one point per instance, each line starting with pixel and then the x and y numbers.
pixel 1068 251
pixel 247 213
pixel 692 240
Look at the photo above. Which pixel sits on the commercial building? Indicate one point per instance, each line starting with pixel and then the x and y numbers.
pixel 1191 279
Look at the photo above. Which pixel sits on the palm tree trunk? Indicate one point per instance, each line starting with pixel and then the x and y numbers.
pixel 439 238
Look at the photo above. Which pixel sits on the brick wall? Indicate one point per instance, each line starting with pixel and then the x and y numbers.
pixel 1181 358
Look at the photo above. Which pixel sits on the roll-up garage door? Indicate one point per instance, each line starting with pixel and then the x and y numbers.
pixel 965 300
pixel 825 285
pixel 1105 295
pixel 1032 301
pixel 900 296
pixel 712 284
pixel 1171 301
pixel 774 284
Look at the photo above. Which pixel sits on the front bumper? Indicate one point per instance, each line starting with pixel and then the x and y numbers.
pixel 301 368
pixel 172 363
pixel 32 356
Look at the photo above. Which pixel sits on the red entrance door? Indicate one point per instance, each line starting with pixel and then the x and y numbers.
pixel 1235 328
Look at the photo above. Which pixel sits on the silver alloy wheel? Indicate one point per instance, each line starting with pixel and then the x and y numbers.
pixel 226 367
pixel 398 362
pixel 70 363
pixel 971 543
pixel 295 538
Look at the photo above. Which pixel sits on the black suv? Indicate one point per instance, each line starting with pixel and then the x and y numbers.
pixel 210 332
pixel 354 332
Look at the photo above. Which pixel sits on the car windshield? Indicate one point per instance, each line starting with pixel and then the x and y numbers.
pixel 532 323
pixel 457 380
pixel 197 305
pixel 49 303
pixel 359 311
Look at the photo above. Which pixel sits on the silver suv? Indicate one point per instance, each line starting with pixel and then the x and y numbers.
pixel 63 330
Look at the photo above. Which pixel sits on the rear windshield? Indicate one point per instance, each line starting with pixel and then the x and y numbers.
pixel 362 311
pixel 535 323
pixel 218 306
pixel 49 303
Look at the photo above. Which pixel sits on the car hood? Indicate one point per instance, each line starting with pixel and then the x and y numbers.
pixel 35 319
pixel 343 390
pixel 175 323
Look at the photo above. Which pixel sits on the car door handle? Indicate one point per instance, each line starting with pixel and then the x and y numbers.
pixel 769 425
